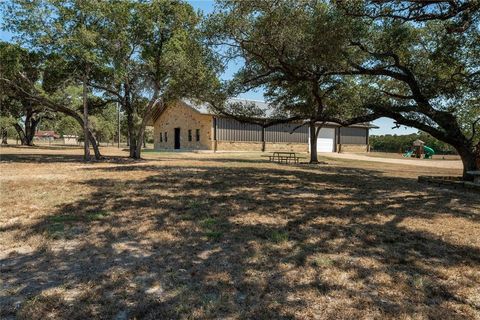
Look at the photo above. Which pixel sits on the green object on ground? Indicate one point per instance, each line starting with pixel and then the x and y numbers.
pixel 429 152
pixel 408 154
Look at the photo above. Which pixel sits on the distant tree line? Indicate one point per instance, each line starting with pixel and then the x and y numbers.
pixel 401 143
pixel 103 122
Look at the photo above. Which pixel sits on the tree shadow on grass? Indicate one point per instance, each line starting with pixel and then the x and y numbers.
pixel 40 158
pixel 66 158
pixel 246 242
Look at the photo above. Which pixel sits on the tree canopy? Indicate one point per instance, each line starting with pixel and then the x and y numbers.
pixel 290 51
pixel 424 77
pixel 313 57
pixel 153 54
pixel 459 15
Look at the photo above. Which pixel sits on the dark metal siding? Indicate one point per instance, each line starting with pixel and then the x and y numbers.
pixel 283 133
pixel 353 135
pixel 233 130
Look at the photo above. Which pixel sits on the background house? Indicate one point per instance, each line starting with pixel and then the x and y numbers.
pixel 181 125
pixel 46 136
pixel 70 139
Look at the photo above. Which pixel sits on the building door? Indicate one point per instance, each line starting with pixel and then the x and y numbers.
pixel 325 140
pixel 177 138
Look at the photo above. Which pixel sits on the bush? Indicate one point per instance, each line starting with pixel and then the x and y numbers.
pixel 400 143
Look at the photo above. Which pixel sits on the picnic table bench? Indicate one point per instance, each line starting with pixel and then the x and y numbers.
pixel 284 157
pixel 476 176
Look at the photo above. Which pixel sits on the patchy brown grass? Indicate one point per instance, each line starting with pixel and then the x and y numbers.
pixel 201 236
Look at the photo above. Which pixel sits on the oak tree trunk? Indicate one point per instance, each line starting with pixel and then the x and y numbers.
pixel 313 142
pixel 137 132
pixel 132 136
pixel 86 133
pixel 21 134
pixel 79 119
pixel 4 136
pixel 470 159
pixel 140 137
pixel 30 129
pixel 95 146
pixel 27 133
pixel 133 147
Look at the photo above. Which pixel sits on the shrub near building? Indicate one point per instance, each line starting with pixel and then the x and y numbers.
pixel 400 143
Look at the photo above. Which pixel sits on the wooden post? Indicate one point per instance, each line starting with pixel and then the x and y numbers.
pixel 118 123
pixel 214 134
pixel 86 142
pixel 263 139
pixel 339 145
pixel 368 139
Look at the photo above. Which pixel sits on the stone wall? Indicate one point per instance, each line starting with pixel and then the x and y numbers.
pixel 286 146
pixel 352 148
pixel 239 146
pixel 179 115
pixel 257 146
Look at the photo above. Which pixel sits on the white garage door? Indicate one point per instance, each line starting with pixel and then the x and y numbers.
pixel 325 141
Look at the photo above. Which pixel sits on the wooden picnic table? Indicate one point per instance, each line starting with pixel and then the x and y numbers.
pixel 284 156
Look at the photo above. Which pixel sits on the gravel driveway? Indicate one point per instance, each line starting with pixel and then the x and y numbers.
pixel 447 164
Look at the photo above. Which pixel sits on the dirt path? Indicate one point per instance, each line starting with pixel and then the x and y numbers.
pixel 450 164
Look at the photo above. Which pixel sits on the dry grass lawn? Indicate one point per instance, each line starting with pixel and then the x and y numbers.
pixel 230 236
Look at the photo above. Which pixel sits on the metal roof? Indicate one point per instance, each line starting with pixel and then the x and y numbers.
pixel 205 109
pixel 357 125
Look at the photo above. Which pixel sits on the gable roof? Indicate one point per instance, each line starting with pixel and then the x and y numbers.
pixel 46 134
pixel 205 109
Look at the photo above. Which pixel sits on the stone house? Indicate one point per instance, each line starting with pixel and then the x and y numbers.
pixel 184 126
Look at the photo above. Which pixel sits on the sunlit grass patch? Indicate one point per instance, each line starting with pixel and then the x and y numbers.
pixel 90 216
pixel 99 215
pixel 278 236
pixel 420 282
pixel 196 208
pixel 209 223
pixel 56 225
pixel 322 261
pixel 64 218
pixel 56 230
pixel 212 228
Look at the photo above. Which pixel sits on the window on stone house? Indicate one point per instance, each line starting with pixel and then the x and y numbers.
pixel 165 136
pixel 161 137
pixel 197 134
pixel 189 135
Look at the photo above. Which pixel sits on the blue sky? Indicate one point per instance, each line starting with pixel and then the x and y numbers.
pixel 207 6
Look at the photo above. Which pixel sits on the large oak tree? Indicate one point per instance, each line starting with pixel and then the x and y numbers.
pixel 292 50
pixel 32 84
pixel 153 54
pixel 419 74
pixel 25 113
pixel 68 28
pixel 424 76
